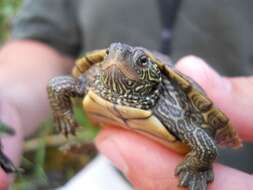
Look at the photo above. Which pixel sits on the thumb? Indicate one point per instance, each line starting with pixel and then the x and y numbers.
pixel 10 116
pixel 10 145
pixel 230 94
pixel 216 86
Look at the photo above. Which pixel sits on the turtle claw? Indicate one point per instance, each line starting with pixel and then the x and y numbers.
pixel 194 180
pixel 66 124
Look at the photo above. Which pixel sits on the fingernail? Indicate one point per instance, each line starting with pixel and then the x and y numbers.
pixel 111 149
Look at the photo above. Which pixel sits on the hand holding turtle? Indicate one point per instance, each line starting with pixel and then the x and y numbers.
pixel 136 89
pixel 148 165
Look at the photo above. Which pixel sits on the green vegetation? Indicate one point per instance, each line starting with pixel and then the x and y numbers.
pixel 8 9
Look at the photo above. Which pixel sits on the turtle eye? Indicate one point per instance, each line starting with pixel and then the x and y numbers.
pixel 143 61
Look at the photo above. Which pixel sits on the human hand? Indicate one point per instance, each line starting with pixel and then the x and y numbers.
pixel 149 165
pixel 11 146
pixel 25 68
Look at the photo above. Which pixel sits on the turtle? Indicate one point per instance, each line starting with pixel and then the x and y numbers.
pixel 5 163
pixel 141 90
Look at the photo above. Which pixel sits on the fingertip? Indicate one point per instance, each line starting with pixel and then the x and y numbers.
pixel 198 69
pixel 191 59
pixel 4 180
pixel 218 88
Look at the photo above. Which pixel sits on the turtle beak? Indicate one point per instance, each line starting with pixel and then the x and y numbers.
pixel 118 65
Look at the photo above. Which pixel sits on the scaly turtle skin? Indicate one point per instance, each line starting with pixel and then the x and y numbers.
pixel 137 89
pixel 5 162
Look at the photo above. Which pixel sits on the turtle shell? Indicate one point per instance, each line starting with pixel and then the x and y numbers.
pixel 104 112
pixel 144 121
pixel 225 133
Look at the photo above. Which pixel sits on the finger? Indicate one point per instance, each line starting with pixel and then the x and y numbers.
pixel 148 165
pixel 12 145
pixel 234 96
pixel 3 180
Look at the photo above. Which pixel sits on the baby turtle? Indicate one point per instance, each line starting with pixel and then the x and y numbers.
pixel 134 88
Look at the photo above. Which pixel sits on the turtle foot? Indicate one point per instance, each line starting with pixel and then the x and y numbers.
pixel 65 123
pixel 194 179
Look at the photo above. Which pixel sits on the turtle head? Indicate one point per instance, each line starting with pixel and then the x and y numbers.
pixel 127 68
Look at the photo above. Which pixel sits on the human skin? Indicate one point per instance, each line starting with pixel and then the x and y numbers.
pixel 25 68
pixel 23 104
pixel 148 165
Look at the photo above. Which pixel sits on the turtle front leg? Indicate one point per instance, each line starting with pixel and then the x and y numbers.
pixel 195 172
pixel 60 91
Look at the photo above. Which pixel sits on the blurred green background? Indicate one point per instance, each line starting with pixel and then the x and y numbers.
pixel 45 165
pixel 8 9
